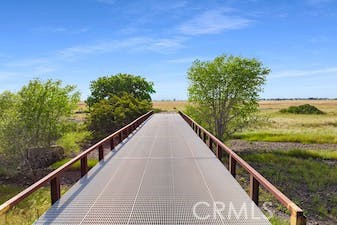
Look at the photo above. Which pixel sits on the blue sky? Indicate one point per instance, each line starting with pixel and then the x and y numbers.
pixel 78 41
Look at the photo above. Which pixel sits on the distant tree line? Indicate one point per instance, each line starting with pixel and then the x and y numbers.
pixel 285 99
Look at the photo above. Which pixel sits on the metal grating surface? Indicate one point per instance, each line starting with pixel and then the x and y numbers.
pixel 156 176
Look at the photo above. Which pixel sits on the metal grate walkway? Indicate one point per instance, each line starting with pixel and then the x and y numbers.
pixel 157 176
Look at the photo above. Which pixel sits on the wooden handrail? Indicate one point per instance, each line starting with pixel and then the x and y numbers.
pixel 55 176
pixel 256 179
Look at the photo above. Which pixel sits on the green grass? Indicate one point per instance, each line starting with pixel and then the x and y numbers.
pixel 310 154
pixel 8 191
pixel 303 176
pixel 75 166
pixel 313 137
pixel 288 127
pixel 280 127
pixel 71 141
pixel 278 221
pixel 27 211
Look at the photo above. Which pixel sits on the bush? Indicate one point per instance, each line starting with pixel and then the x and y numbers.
pixel 107 86
pixel 76 166
pixel 302 109
pixel 111 114
pixel 35 118
pixel 71 142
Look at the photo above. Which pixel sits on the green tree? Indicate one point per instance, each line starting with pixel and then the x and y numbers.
pixel 45 108
pixel 107 86
pixel 224 92
pixel 36 117
pixel 111 114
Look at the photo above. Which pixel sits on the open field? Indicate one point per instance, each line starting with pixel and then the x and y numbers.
pixel 306 169
pixel 284 127
pixel 169 105
pixel 27 211
pixel 309 178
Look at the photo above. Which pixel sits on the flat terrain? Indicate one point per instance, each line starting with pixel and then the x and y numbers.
pixel 169 105
pixel 297 153
pixel 285 127
pixel 155 177
pixel 274 126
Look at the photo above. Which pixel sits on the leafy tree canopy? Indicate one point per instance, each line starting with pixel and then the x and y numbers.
pixel 111 114
pixel 107 86
pixel 224 92
pixel 35 117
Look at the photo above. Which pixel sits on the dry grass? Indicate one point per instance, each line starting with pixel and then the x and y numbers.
pixel 328 106
pixel 278 126
pixel 169 105
pixel 282 126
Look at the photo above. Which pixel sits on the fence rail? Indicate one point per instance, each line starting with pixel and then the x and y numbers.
pixel 256 179
pixel 54 178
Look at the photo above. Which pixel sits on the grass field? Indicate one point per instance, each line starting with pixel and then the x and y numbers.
pixel 284 127
pixel 27 211
pixel 169 105
pixel 307 178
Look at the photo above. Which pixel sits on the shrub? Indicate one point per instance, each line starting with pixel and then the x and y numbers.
pixel 111 114
pixel 71 141
pixel 302 109
pixel 76 166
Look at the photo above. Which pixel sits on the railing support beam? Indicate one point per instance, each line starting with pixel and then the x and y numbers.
pixel 218 152
pixel 232 166
pixel 112 143
pixel 55 189
pixel 210 143
pixel 84 166
pixel 254 190
pixel 297 218
pixel 120 137
pixel 100 153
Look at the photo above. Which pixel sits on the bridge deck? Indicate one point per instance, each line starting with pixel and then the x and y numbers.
pixel 156 176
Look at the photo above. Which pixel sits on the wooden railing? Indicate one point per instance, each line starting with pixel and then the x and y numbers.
pixel 256 179
pixel 55 177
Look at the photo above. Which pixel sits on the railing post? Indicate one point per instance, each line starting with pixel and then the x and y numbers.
pixel 210 143
pixel 204 137
pixel 55 189
pixel 112 143
pixel 297 218
pixel 232 166
pixel 84 166
pixel 120 137
pixel 100 152
pixel 254 190
pixel 218 152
